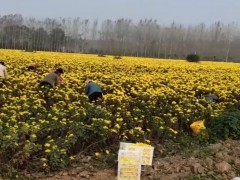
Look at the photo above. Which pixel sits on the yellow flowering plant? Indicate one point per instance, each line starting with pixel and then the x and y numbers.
pixel 144 99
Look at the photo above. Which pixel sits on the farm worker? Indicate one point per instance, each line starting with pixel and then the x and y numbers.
pixel 211 97
pixel 93 91
pixel 32 68
pixel 3 70
pixel 52 79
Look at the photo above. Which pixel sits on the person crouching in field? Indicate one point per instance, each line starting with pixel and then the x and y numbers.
pixel 3 70
pixel 93 91
pixel 3 73
pixel 52 79
pixel 32 68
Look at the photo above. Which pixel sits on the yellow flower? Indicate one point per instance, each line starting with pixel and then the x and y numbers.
pixel 71 135
pixel 44 165
pixel 117 126
pixel 44 159
pixel 47 151
pixel 107 122
pixel 161 127
pixel 47 145
pixel 55 147
pixel 71 158
pixel 97 154
pixel 63 151
pixel 8 137
pixel 33 136
pixel 107 152
pixel 147 141
pixel 113 130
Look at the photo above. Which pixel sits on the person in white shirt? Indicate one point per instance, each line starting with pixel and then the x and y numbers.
pixel 3 70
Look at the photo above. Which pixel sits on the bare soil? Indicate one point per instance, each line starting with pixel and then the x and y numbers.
pixel 219 161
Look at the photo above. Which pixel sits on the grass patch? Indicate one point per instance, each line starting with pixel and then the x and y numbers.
pixel 188 146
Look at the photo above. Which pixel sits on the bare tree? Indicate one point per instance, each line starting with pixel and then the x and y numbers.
pixel 121 37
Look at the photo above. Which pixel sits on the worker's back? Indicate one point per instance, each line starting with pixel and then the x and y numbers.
pixel 51 78
pixel 3 71
pixel 92 88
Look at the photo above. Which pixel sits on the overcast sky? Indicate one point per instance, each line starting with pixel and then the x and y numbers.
pixel 164 11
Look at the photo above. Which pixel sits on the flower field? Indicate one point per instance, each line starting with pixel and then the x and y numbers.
pixel 144 100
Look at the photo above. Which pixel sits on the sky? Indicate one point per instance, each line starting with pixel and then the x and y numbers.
pixel 186 12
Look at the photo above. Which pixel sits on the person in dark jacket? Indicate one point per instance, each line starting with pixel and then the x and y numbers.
pixel 93 91
pixel 32 68
pixel 52 79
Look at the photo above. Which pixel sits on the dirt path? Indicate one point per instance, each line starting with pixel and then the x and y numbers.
pixel 220 161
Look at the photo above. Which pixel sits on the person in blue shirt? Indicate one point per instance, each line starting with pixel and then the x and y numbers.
pixel 93 91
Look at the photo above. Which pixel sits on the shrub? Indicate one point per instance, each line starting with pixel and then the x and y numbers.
pixel 225 126
pixel 193 58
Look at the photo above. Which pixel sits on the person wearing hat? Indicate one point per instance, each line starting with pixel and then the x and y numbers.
pixel 3 70
pixel 93 91
pixel 52 79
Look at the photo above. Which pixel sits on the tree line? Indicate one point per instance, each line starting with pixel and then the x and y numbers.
pixel 145 38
